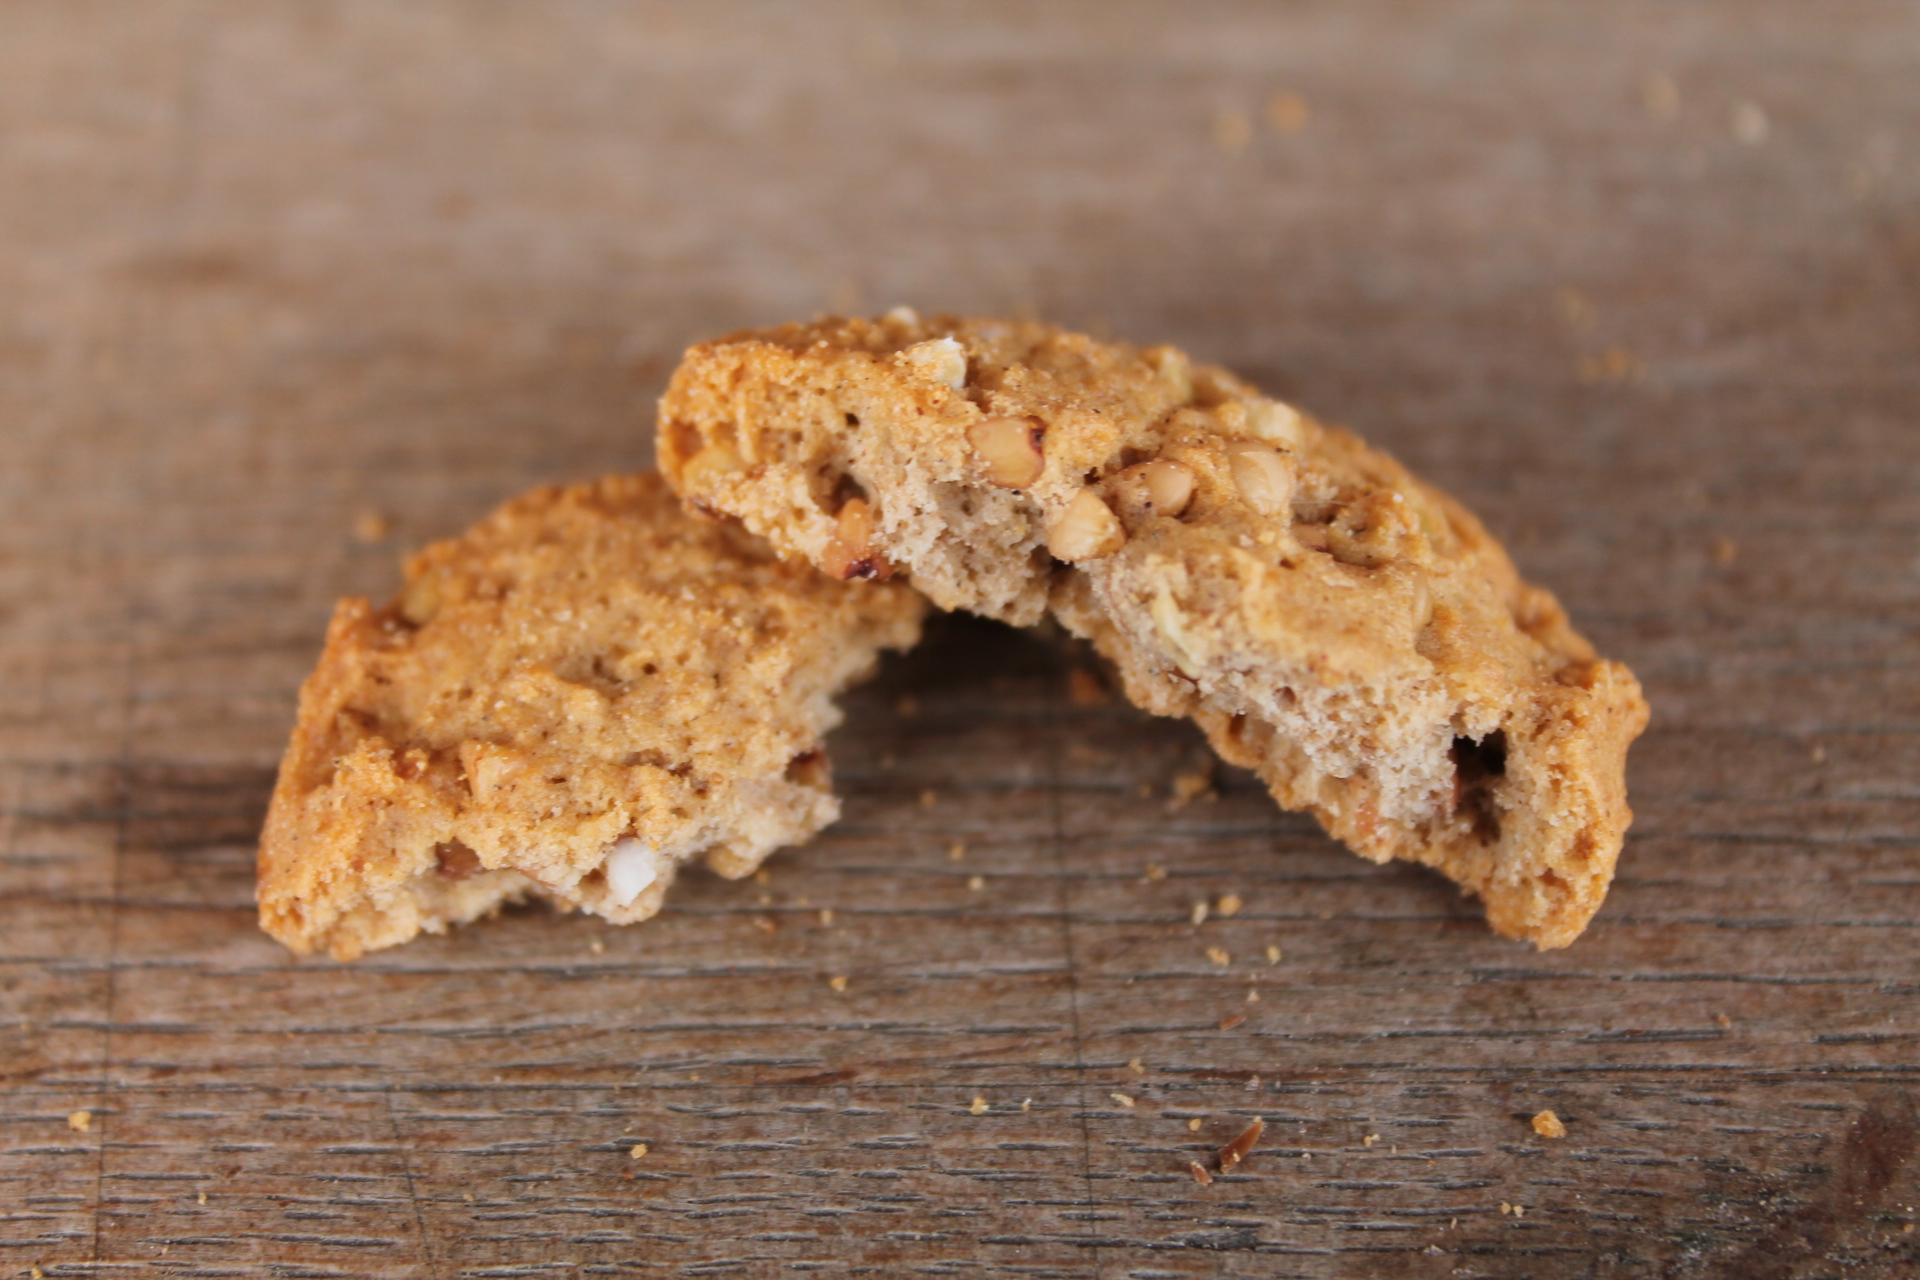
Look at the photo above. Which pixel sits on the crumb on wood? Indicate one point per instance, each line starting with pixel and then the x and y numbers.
pixel 1236 1151
pixel 1220 956
pixel 1084 688
pixel 1198 916
pixel 1548 1125
pixel 1232 1021
pixel 1369 1140
pixel 637 1150
pixel 978 1106
pixel 597 947
pixel 1253 996
pixel 762 876
pixel 826 915
pixel 976 883
pixel 1136 1066
pixel 1026 1104
pixel 929 798
pixel 1287 112
pixel 372 526
pixel 1273 955
pixel 1723 1020
pixel 1155 872
pixel 1125 1100
pixel 766 924
pixel 838 982
pixel 957 851
pixel 80 1121
pixel 1199 1172
pixel 1193 1125
pixel 1188 787
pixel 1227 904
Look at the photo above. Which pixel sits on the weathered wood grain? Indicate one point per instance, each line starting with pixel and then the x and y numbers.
pixel 1640 282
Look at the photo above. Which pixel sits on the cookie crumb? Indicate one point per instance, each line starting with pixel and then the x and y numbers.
pixel 637 1150
pixel 1723 1020
pixel 766 924
pixel 1229 1023
pixel 1369 1140
pixel 372 526
pixel 957 851
pixel 838 982
pixel 597 947
pixel 1199 913
pixel 978 1106
pixel 1155 872
pixel 1236 1151
pixel 1193 1125
pixel 1253 997
pixel 1219 956
pixel 80 1121
pixel 976 883
pixel 826 916
pixel 1198 1170
pixel 1085 689
pixel 1548 1125
pixel 1228 904
pixel 1273 955
pixel 1188 787
pixel 1026 1104
pixel 1287 112
pixel 1136 1066
pixel 1124 1100
pixel 202 1197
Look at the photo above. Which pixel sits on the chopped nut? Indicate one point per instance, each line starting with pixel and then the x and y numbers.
pixel 838 982
pixel 1274 422
pixel 1123 1099
pixel 1161 487
pixel 80 1121
pixel 978 1106
pixel 1198 1170
pixel 1548 1125
pixel 1219 956
pixel 1236 1151
pixel 1228 904
pixel 1009 450
pixel 942 359
pixel 638 1149
pixel 712 463
pixel 850 552
pixel 1086 530
pixel 1263 476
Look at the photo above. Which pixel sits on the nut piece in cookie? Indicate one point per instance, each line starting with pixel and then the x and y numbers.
pixel 586 690
pixel 1348 632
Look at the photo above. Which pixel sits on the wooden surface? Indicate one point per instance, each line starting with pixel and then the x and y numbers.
pixel 1640 282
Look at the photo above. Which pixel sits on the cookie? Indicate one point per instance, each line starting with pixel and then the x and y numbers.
pixel 586 690
pixel 1351 634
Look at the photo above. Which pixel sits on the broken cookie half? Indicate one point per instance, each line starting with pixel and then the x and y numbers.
pixel 1348 632
pixel 583 692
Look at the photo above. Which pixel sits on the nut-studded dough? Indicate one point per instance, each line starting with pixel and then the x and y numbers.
pixel 1348 632
pixel 585 690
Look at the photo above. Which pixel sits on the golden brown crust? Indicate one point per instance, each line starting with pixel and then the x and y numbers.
pixel 584 667
pixel 1347 631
